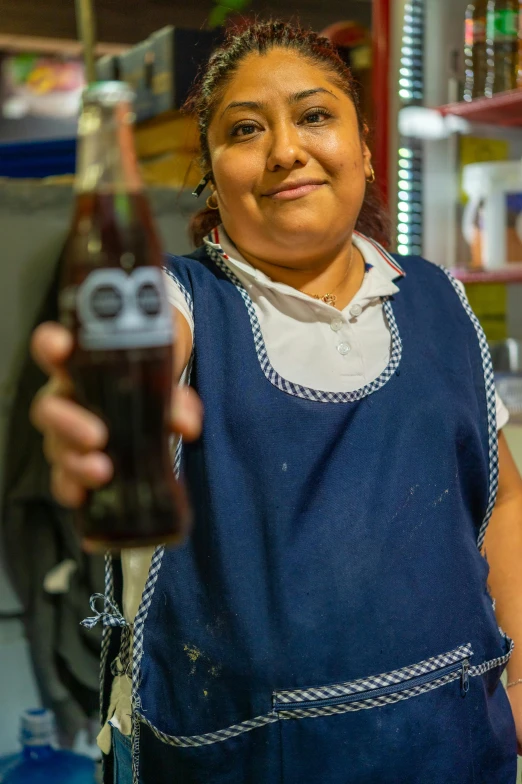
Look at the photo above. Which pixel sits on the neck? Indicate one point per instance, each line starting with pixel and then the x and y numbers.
pixel 342 269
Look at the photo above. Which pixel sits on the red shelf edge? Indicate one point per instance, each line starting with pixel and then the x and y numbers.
pixel 511 274
pixel 502 109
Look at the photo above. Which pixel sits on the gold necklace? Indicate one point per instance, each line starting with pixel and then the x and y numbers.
pixel 330 298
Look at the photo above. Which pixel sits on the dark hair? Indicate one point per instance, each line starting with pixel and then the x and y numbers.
pixel 259 38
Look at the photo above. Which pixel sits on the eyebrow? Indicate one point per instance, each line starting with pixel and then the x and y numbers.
pixel 294 98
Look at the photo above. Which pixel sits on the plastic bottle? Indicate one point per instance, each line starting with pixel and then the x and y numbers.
pixel 41 762
pixel 502 25
pixel 475 53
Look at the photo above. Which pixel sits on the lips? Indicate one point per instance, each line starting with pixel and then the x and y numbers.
pixel 294 190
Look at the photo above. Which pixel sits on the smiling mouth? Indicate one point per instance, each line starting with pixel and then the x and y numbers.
pixel 298 192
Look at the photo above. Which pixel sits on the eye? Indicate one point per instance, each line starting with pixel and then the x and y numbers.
pixel 244 129
pixel 316 116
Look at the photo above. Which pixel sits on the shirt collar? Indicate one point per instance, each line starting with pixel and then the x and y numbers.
pixel 381 268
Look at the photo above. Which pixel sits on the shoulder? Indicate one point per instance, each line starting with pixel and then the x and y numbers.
pixel 191 271
pixel 191 262
pixel 421 273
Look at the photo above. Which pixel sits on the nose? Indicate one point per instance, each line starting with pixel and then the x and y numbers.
pixel 286 148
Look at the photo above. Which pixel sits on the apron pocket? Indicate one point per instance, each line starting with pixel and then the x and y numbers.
pixel 332 734
pixel 377 690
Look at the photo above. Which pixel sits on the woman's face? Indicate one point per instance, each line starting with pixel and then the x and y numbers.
pixel 288 162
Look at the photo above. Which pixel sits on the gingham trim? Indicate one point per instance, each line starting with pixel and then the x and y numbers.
pixel 376 681
pixel 137 653
pixel 454 657
pixel 289 387
pixel 489 382
pixel 139 625
pixel 186 741
pixel 186 294
pixel 480 669
pixel 371 702
pixel 107 630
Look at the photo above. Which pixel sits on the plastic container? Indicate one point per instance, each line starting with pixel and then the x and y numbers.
pixel 492 218
pixel 40 761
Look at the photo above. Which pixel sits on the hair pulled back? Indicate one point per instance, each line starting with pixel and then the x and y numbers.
pixel 260 38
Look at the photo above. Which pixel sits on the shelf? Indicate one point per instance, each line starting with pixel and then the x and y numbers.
pixel 502 109
pixel 58 46
pixel 511 274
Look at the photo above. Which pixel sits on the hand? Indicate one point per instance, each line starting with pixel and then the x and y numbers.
pixel 74 438
pixel 515 698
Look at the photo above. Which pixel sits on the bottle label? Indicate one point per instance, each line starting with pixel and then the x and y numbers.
pixel 475 31
pixel 502 25
pixel 116 310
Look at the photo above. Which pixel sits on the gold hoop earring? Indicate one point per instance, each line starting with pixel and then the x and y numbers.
pixel 372 177
pixel 210 205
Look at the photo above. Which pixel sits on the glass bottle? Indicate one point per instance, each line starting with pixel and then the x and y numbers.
pixel 502 45
pixel 113 300
pixel 475 52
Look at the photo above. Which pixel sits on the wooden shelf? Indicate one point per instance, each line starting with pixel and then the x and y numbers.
pixel 58 46
pixel 502 109
pixel 510 274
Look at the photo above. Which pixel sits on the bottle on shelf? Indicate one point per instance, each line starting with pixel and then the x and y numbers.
pixel 40 760
pixel 502 25
pixel 475 52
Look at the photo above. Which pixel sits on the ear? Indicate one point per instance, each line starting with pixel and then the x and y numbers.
pixel 367 160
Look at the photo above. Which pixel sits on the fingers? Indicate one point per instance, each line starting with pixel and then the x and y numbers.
pixel 51 347
pixel 75 473
pixel 65 489
pixel 187 413
pixel 67 421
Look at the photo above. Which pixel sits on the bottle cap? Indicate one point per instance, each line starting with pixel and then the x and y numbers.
pixel 38 728
pixel 108 93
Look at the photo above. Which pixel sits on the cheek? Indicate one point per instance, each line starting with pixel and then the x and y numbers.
pixel 235 175
pixel 345 163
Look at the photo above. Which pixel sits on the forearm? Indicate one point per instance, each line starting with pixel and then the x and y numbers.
pixel 503 550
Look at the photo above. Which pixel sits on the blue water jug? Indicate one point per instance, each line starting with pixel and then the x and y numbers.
pixel 41 762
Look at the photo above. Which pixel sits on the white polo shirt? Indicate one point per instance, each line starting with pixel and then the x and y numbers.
pixel 308 343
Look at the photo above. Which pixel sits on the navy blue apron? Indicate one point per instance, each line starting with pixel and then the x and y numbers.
pixel 328 621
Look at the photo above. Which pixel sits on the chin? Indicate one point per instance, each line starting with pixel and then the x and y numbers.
pixel 298 233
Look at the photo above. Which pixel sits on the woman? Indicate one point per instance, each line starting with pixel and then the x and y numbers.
pixel 329 618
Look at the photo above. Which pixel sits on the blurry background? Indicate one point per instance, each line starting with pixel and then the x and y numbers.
pixel 440 84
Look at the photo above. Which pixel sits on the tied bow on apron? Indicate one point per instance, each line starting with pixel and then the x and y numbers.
pixel 112 617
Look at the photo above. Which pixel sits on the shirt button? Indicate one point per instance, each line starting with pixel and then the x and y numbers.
pixel 356 310
pixel 336 324
pixel 344 348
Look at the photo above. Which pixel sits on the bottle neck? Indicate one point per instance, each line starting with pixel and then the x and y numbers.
pixel 106 157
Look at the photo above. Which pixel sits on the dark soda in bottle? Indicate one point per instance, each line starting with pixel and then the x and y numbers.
pixel 475 54
pixel 113 300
